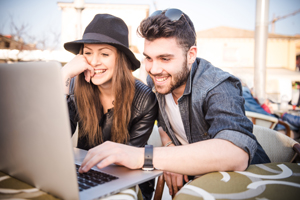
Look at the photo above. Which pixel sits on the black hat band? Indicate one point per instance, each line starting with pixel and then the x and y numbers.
pixel 100 37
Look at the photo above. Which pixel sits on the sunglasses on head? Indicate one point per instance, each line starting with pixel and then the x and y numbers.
pixel 174 15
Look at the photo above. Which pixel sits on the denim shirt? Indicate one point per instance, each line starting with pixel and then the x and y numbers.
pixel 292 120
pixel 212 106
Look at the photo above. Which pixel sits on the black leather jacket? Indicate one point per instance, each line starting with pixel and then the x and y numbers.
pixel 144 113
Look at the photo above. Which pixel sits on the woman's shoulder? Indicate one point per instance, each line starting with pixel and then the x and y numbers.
pixel 143 95
pixel 141 87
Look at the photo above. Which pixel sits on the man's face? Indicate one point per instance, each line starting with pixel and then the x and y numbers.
pixel 166 63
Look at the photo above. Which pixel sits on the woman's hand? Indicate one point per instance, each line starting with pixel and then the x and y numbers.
pixel 113 153
pixel 76 66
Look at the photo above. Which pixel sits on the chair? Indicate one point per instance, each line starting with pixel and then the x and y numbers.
pixel 262 120
pixel 279 147
pixel 267 121
pixel 155 140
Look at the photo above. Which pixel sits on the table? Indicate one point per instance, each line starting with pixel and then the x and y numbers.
pixel 258 182
pixel 10 188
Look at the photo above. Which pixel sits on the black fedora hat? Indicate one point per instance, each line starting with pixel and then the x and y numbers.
pixel 105 29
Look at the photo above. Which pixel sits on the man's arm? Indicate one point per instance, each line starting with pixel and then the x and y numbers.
pixel 192 159
pixel 201 157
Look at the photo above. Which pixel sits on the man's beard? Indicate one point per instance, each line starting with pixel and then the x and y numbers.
pixel 178 80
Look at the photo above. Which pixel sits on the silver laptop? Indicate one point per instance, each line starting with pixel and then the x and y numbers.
pixel 35 135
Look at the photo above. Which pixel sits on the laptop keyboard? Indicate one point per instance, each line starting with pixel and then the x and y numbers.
pixel 92 178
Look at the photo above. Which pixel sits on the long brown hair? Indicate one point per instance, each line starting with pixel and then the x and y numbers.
pixel 90 109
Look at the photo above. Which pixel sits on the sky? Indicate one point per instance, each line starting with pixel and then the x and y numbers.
pixel 42 17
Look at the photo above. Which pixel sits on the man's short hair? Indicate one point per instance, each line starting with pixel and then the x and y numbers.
pixel 160 26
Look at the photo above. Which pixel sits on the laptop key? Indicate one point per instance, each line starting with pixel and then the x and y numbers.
pixel 92 178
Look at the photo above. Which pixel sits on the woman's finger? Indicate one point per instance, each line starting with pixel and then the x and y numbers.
pixel 85 165
pixel 87 76
pixel 107 161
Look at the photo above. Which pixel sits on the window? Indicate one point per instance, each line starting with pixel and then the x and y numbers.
pixel 6 45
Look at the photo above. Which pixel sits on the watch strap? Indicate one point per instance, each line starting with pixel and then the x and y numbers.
pixel 148 158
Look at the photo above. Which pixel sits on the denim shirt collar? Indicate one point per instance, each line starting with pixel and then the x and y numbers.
pixel 184 101
pixel 188 87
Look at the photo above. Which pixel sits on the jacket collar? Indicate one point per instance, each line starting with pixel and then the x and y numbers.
pixel 188 87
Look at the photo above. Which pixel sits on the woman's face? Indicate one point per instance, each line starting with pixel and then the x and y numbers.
pixel 102 57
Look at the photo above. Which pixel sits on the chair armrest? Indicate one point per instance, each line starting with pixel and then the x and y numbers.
pixel 261 116
pixel 296 148
pixel 287 127
pixel 159 187
pixel 258 119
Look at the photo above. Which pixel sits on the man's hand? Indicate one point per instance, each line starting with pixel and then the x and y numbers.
pixel 174 182
pixel 113 153
pixel 163 136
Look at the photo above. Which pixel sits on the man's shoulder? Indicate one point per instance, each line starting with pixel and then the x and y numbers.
pixel 208 76
pixel 207 69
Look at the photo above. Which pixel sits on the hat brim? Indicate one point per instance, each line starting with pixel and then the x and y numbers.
pixel 74 47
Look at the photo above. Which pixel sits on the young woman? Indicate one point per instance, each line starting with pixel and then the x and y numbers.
pixel 104 98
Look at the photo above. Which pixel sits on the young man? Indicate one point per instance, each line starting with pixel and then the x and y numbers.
pixel 202 118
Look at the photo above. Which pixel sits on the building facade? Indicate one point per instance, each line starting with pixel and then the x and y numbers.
pixel 233 47
pixel 131 14
pixel 232 50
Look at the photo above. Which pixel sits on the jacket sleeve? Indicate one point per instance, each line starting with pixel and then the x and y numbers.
pixel 225 114
pixel 142 124
pixel 72 107
pixel 294 120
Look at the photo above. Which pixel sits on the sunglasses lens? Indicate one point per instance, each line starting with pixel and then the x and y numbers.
pixel 173 14
pixel 156 13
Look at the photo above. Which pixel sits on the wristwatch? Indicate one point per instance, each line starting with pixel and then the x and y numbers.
pixel 148 166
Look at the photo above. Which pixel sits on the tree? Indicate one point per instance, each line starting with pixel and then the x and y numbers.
pixel 23 39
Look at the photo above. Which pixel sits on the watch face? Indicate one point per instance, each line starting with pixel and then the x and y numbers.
pixel 148 166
